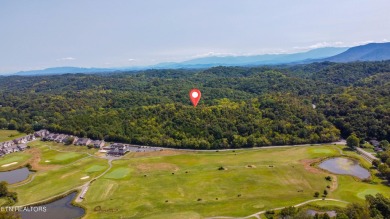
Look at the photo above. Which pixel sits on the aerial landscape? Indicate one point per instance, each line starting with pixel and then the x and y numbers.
pixel 217 110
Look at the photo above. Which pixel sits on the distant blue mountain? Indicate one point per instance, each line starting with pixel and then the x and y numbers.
pixel 268 59
pixel 64 70
pixel 369 52
pixel 205 62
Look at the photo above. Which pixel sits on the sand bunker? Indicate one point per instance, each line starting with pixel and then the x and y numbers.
pixel 9 164
pixel 47 161
pixel 85 177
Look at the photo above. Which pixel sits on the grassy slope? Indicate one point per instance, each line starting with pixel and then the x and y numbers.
pixel 260 188
pixel 5 135
pixel 56 181
pixel 20 157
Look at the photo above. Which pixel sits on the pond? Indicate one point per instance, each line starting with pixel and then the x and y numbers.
pixel 341 165
pixel 314 212
pixel 59 209
pixel 15 176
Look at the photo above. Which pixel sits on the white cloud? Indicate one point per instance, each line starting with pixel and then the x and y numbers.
pixel 131 60
pixel 220 54
pixel 320 45
pixel 66 59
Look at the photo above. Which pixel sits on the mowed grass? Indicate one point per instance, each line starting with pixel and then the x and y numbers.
pixel 55 153
pixel 6 135
pixel 20 157
pixel 62 147
pixel 55 157
pixel 191 186
pixel 328 204
pixel 53 182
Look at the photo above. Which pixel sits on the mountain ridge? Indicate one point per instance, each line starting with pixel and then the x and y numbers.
pixel 368 52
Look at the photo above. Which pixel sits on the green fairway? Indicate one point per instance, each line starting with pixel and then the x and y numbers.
pixel 20 158
pixel 54 157
pixel 189 184
pixel 7 135
pixel 95 168
pixel 61 147
pixel 49 183
pixel 117 173
pixel 56 153
pixel 328 204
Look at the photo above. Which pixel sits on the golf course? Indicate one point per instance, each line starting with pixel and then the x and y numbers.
pixel 188 184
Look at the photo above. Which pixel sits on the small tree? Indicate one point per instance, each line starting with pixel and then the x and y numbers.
pixel 384 144
pixel 316 194
pixel 325 192
pixel 69 141
pixel 288 212
pixel 376 163
pixel 29 167
pixel 325 216
pixel 3 189
pixel 329 178
pixel 383 168
pixel 353 141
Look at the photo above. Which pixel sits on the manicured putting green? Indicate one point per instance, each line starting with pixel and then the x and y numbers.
pixel 95 168
pixel 118 173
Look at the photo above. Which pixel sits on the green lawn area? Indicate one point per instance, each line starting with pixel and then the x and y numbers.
pixel 19 157
pixel 328 204
pixel 56 181
pixel 50 156
pixel 148 189
pixel 62 147
pixel 3 201
pixel 189 185
pixel 6 135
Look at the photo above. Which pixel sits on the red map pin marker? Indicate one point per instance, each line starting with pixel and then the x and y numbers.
pixel 195 96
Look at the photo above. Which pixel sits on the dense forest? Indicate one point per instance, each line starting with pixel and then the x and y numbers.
pixel 240 106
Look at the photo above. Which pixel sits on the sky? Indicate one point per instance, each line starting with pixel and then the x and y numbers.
pixel 122 33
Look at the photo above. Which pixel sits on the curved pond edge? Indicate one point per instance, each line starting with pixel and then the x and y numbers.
pixel 58 197
pixel 316 165
pixel 29 177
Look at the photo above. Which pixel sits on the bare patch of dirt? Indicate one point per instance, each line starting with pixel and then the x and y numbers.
pixel 334 183
pixel 308 165
pixel 146 167
pixel 36 158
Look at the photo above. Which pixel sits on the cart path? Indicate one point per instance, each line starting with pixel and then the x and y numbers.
pixel 257 214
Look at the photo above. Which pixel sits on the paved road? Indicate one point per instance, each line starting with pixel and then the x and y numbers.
pixel 257 214
pixel 85 187
pixel 341 142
